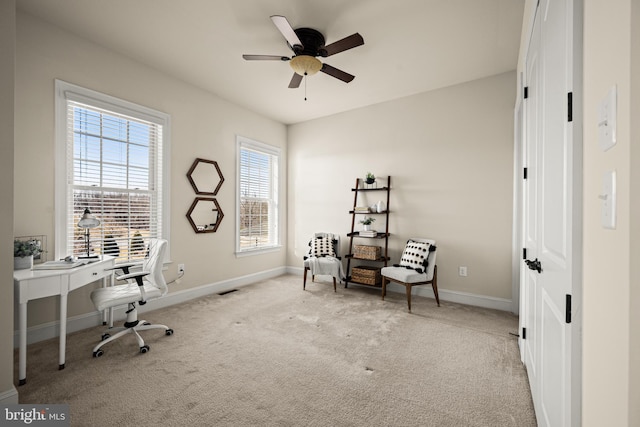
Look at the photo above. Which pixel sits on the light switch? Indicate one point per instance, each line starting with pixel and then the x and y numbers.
pixel 609 199
pixel 607 120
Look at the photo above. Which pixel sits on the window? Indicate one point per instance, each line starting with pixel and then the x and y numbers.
pixel 111 158
pixel 257 190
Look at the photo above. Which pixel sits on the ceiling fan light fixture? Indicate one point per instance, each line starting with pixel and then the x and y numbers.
pixel 305 65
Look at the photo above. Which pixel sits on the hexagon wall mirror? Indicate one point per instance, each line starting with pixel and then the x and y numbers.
pixel 205 177
pixel 205 215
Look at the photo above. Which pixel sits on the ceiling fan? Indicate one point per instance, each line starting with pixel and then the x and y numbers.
pixel 307 44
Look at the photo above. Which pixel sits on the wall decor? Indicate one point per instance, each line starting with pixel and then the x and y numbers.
pixel 205 177
pixel 205 215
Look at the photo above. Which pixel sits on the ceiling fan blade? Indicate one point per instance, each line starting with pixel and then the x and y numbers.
pixel 338 74
pixel 265 58
pixel 354 40
pixel 287 31
pixel 295 81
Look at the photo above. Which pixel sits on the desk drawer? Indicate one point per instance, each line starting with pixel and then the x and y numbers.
pixel 88 274
pixel 39 287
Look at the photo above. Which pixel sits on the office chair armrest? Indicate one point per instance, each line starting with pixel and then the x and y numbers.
pixel 138 275
pixel 125 266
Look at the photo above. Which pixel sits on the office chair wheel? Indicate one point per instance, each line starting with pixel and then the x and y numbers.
pixel 145 348
pixel 105 336
pixel 98 353
pixel 169 332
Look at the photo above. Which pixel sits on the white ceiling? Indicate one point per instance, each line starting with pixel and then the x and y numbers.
pixel 411 46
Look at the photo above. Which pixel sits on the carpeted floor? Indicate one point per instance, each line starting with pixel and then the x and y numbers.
pixel 271 354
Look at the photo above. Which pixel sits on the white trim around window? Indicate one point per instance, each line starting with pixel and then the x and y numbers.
pixel 258 184
pixel 146 176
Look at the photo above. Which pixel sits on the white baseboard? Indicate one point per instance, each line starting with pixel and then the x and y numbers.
pixel 50 330
pixel 484 301
pixel 9 397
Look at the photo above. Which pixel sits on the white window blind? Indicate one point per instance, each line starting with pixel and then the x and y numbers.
pixel 257 195
pixel 114 166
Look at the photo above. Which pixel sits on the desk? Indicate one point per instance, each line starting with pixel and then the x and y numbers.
pixel 30 285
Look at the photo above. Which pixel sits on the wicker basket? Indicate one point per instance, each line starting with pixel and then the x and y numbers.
pixel 366 275
pixel 367 252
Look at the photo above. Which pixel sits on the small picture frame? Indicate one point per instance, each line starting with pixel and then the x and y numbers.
pixel 41 242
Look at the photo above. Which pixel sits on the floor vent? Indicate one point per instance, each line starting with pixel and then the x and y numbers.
pixel 228 292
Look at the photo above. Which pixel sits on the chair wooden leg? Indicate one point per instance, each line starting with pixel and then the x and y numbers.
pixel 434 284
pixel 408 286
pixel 304 280
pixel 334 284
pixel 384 287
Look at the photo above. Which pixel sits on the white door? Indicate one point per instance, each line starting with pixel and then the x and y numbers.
pixel 529 278
pixel 551 195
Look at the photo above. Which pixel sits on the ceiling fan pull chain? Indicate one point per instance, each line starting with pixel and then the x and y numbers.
pixel 305 86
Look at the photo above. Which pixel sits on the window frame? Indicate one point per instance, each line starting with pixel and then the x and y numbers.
pixel 66 91
pixel 276 186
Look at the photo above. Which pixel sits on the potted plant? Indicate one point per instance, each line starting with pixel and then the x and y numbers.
pixel 23 252
pixel 370 178
pixel 366 223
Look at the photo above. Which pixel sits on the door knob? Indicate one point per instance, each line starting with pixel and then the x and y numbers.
pixel 534 265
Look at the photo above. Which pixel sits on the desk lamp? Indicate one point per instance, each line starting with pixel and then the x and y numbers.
pixel 87 222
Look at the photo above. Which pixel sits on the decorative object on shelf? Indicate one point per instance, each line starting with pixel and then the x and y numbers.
pixel 380 206
pixel 367 252
pixel 88 221
pixel 23 253
pixel 370 181
pixel 205 215
pixel 366 223
pixel 370 178
pixel 205 177
pixel 367 275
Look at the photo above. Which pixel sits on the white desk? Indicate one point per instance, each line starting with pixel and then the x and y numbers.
pixel 34 284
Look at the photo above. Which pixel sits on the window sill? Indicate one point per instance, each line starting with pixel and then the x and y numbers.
pixel 258 251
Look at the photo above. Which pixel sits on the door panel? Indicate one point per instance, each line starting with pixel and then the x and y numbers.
pixel 530 240
pixel 532 329
pixel 548 221
pixel 552 368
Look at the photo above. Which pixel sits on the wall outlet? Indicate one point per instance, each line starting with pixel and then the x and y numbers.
pixel 462 271
pixel 180 268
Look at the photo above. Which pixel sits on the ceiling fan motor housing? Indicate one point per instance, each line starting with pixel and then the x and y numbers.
pixel 312 42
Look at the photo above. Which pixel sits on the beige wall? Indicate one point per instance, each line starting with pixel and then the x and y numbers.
pixel 203 125
pixel 634 215
pixel 610 392
pixel 7 76
pixel 450 155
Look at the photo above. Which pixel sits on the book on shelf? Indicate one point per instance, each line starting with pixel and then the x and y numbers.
pixel 361 209
pixel 368 233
